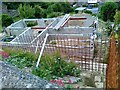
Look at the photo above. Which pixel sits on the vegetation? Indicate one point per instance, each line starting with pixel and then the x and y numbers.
pixel 55 66
pixel 107 11
pixel 54 14
pixel 96 5
pixel 8 38
pixel 13 5
pixel 117 24
pixel 119 5
pixel 51 66
pixel 26 11
pixel 108 28
pixel 6 20
pixel 17 18
pixel 117 17
pixel 84 5
pixel 39 12
pixel 31 23
pixel 20 58
pixel 87 11
pixel 1 29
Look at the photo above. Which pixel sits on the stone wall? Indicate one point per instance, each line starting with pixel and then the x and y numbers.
pixel 12 77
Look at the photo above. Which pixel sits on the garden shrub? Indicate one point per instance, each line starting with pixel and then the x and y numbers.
pixel 87 11
pixel 31 23
pixel 20 58
pixel 6 20
pixel 84 5
pixel 4 54
pixel 96 5
pixel 52 66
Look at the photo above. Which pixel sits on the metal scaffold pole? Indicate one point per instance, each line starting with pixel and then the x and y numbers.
pixel 41 52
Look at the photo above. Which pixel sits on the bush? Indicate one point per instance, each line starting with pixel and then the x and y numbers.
pixel 20 58
pixel 95 5
pixel 94 15
pixel 6 20
pixel 55 66
pixel 31 23
pixel 84 5
pixel 87 11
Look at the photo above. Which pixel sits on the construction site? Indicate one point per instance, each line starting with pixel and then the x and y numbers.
pixel 78 38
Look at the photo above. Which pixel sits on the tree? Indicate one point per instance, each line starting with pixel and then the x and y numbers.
pixel 26 11
pixel 63 7
pixel 6 20
pixel 12 5
pixel 39 12
pixel 119 5
pixel 66 7
pixel 57 7
pixel 107 11
pixel 50 9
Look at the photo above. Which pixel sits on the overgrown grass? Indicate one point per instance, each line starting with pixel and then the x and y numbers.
pixel 52 66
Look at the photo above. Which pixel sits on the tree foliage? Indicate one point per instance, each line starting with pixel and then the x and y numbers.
pixel 39 12
pixel 63 7
pixel 67 8
pixel 6 20
pixel 26 11
pixel 119 5
pixel 40 9
pixel 12 5
pixel 107 11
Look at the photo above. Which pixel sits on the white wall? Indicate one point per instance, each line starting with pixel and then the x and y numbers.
pixel 92 1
